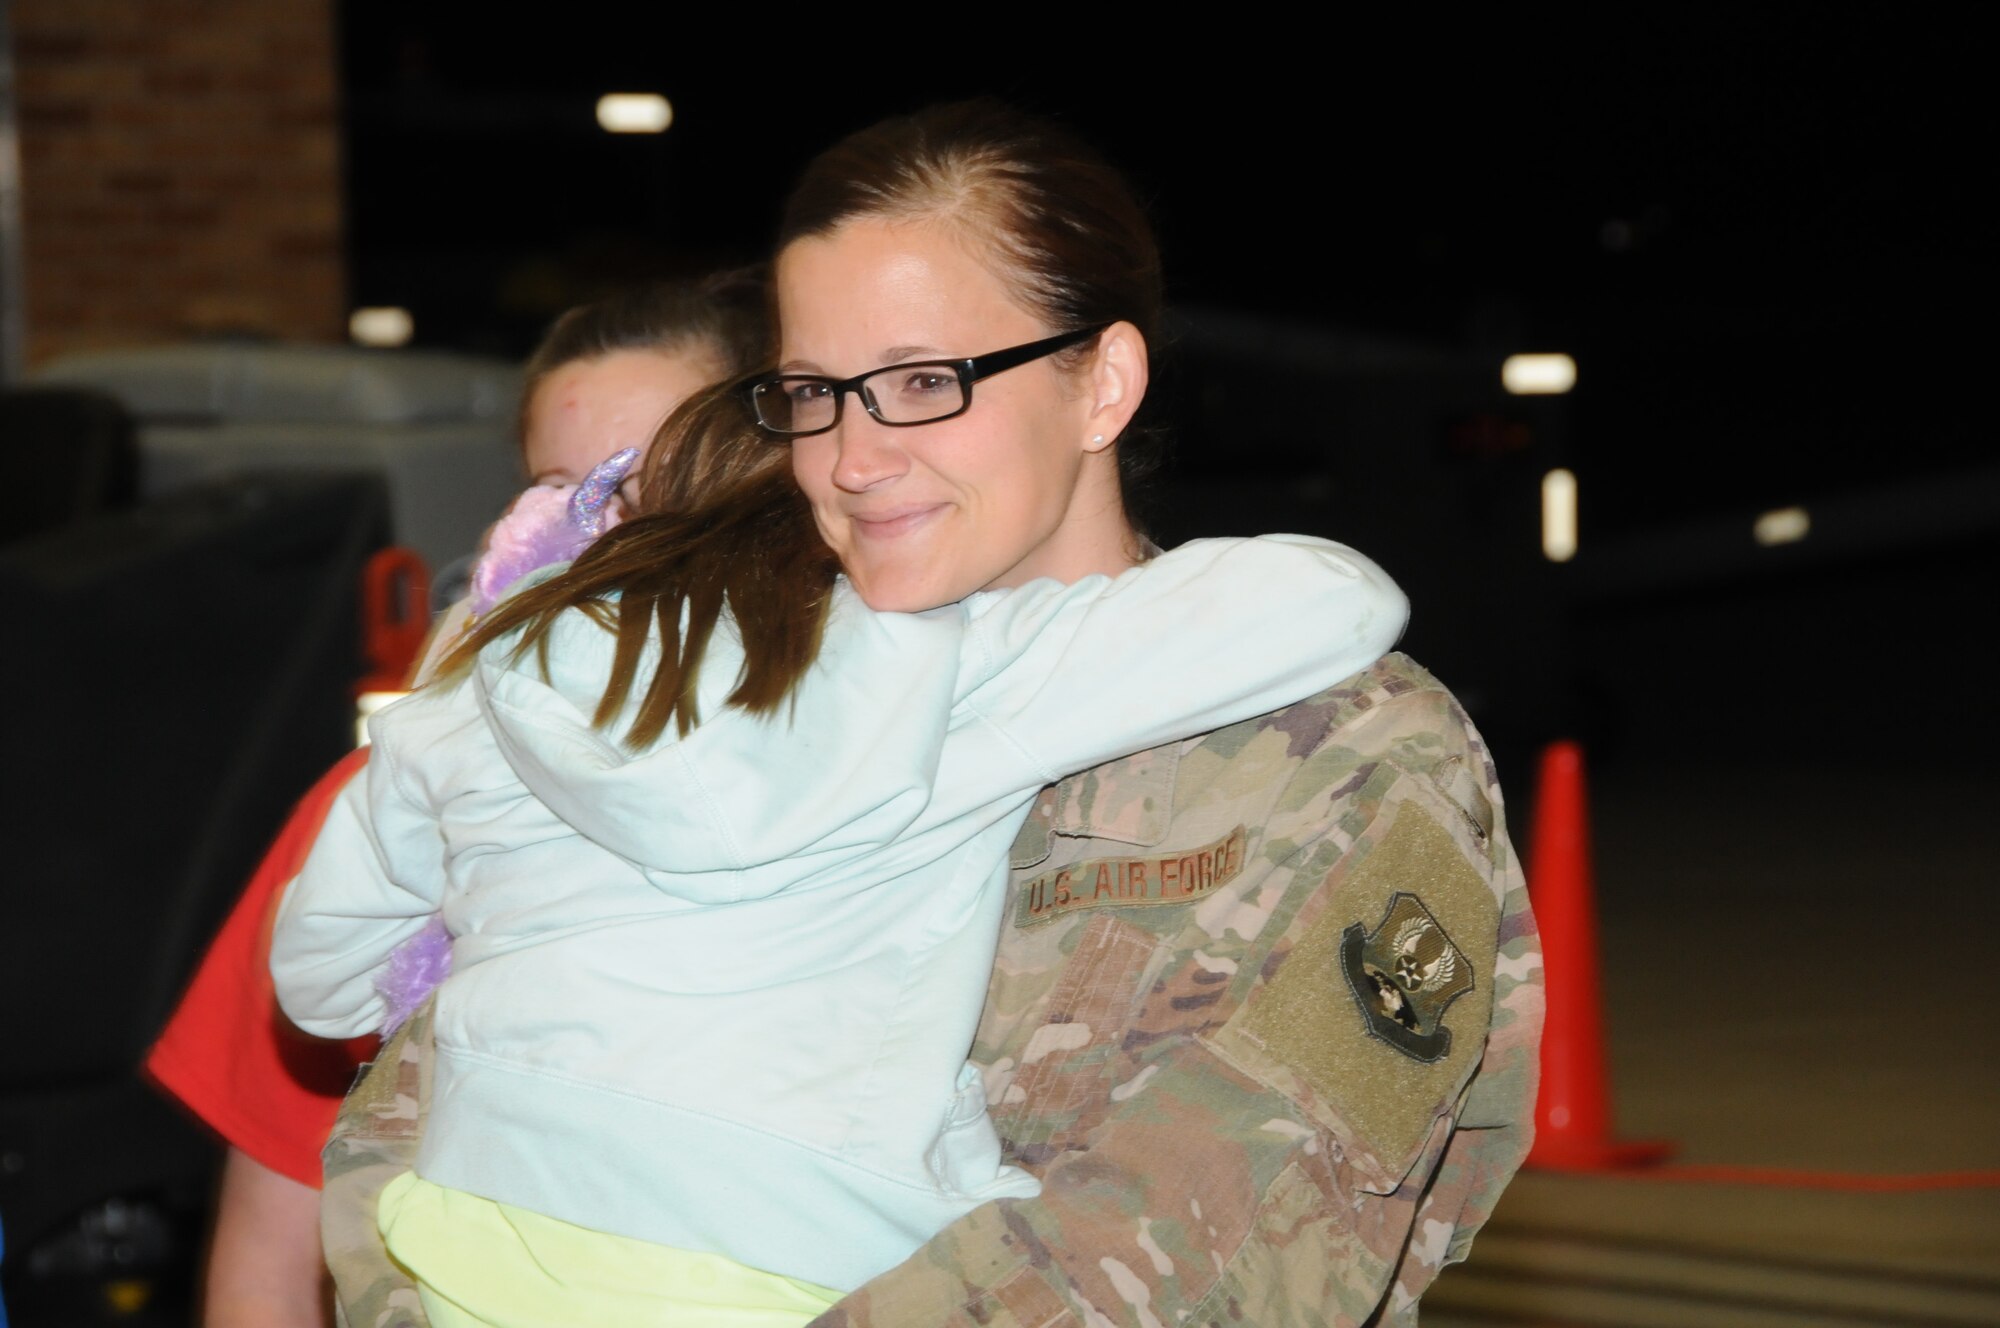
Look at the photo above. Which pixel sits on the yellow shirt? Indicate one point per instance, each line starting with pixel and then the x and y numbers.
pixel 481 1264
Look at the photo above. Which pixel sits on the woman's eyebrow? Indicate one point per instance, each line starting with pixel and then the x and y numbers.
pixel 893 355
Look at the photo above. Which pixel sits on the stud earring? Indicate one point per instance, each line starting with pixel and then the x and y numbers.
pixel 1096 439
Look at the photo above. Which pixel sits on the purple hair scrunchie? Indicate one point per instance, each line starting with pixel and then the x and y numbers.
pixel 550 523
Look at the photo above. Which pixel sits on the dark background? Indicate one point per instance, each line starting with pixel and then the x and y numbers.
pixel 1758 234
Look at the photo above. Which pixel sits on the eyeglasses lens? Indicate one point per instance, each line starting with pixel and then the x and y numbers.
pixel 914 393
pixel 900 394
pixel 794 405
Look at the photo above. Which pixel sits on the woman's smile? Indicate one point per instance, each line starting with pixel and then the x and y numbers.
pixel 892 523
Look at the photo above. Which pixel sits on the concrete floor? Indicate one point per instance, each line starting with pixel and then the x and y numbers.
pixel 1798 968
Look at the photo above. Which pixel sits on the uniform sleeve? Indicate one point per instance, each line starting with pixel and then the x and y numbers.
pixel 1099 1246
pixel 1200 1163
pixel 1206 635
pixel 374 877
pixel 1494 1125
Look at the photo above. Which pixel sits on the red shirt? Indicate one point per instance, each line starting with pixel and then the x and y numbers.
pixel 229 1053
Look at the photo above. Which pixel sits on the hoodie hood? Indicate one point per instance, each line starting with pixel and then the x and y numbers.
pixel 828 776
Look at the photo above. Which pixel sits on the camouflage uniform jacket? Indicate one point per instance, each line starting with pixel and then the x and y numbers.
pixel 1264 1021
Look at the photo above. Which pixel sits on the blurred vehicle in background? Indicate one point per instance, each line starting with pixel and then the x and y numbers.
pixel 184 565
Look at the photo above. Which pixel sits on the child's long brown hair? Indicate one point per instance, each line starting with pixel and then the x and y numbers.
pixel 724 523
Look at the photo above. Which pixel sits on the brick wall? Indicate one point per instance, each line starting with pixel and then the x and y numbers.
pixel 180 170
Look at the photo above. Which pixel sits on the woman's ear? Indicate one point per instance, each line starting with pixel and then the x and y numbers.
pixel 1118 377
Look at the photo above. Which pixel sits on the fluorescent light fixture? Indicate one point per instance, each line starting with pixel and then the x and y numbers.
pixel 634 112
pixel 387 326
pixel 367 704
pixel 1787 525
pixel 1559 516
pixel 1538 375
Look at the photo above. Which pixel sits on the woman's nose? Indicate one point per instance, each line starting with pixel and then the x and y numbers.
pixel 868 452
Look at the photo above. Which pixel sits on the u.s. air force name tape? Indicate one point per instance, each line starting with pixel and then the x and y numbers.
pixel 1169 878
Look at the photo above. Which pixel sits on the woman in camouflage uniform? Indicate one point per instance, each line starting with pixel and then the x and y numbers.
pixel 1264 1015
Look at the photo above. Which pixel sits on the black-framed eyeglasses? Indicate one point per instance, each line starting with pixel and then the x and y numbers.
pixel 919 392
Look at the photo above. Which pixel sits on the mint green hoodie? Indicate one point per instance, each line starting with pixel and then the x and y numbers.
pixel 718 993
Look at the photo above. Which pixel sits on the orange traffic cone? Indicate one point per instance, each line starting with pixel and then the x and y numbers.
pixel 1573 1110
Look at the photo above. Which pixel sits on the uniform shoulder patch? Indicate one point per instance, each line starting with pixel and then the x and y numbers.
pixel 1373 1007
pixel 1404 975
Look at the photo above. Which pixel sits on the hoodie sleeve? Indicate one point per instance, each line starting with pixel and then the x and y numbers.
pixel 1213 632
pixel 374 877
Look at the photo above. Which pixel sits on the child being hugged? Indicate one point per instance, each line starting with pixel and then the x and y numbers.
pixel 723 854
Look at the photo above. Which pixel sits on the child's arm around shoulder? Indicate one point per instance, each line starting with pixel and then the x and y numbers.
pixel 375 875
pixel 1208 634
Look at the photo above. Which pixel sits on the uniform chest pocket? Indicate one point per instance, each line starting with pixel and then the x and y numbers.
pixel 1061 1089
